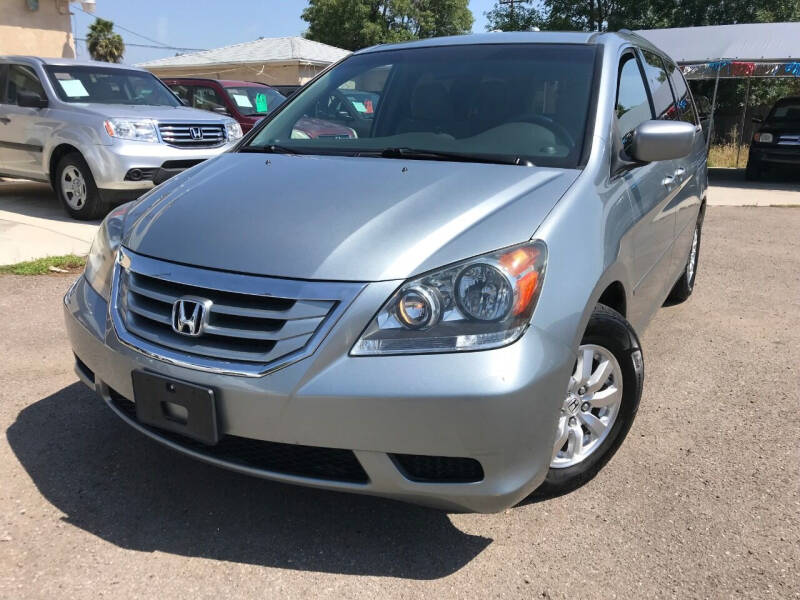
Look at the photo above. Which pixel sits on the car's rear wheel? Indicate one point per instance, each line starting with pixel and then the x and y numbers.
pixel 600 404
pixel 684 287
pixel 76 188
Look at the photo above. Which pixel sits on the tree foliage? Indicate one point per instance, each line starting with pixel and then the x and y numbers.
pixel 354 24
pixel 612 15
pixel 103 43
pixel 520 16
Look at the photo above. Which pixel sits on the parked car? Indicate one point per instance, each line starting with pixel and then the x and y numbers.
pixel 446 310
pixel 777 141
pixel 248 103
pixel 99 133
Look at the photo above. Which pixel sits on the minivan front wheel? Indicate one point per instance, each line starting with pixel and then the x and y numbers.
pixel 76 188
pixel 600 403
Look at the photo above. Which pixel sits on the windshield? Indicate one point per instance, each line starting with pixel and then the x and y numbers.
pixel 511 102
pixel 97 85
pixel 254 101
pixel 788 111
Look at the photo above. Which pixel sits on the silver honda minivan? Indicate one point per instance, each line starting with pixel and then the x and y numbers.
pixel 445 309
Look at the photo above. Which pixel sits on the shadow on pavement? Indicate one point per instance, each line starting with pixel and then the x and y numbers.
pixel 32 199
pixel 116 484
pixel 777 179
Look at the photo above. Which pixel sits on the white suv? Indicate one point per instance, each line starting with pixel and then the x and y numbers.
pixel 99 133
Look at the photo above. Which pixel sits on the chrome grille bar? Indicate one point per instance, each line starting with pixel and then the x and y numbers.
pixel 180 134
pixel 254 326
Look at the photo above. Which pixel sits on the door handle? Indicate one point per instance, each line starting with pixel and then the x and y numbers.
pixel 5 120
pixel 680 172
pixel 668 180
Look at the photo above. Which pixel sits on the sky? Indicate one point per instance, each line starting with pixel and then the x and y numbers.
pixel 203 24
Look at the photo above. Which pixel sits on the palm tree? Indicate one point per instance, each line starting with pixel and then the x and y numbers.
pixel 103 43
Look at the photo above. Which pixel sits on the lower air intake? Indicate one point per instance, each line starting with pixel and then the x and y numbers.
pixel 439 469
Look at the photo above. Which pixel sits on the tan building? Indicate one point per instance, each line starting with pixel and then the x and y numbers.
pixel 274 61
pixel 36 27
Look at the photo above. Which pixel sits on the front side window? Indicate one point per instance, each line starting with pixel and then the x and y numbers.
pixel 254 101
pixel 633 105
pixel 98 85
pixel 22 78
pixel 657 78
pixel 683 98
pixel 489 102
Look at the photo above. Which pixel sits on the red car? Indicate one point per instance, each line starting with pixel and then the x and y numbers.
pixel 248 103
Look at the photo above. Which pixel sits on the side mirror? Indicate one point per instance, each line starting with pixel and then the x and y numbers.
pixel 662 140
pixel 30 99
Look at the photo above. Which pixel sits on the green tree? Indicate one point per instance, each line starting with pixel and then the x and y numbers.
pixel 519 16
pixel 354 24
pixel 612 15
pixel 103 43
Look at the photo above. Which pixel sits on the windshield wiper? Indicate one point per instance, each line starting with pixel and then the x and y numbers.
pixel 271 149
pixel 417 154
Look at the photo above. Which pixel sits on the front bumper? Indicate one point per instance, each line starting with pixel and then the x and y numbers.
pixel 111 164
pixel 775 154
pixel 499 407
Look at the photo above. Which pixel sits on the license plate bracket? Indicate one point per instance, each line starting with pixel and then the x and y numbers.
pixel 177 406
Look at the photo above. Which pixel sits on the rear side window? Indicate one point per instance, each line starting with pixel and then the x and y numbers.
pixel 657 78
pixel 633 105
pixel 683 99
pixel 22 78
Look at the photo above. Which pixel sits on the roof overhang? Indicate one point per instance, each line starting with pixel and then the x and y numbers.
pixel 732 51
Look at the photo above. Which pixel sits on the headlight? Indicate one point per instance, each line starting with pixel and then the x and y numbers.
pixel 481 303
pixel 234 130
pixel 142 130
pixel 100 262
pixel 764 138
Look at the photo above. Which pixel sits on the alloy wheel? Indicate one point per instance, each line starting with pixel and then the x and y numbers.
pixel 591 406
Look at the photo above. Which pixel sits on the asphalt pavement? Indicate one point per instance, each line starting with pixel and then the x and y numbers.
pixel 701 501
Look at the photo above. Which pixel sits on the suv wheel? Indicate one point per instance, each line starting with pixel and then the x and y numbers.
pixel 684 287
pixel 600 404
pixel 76 188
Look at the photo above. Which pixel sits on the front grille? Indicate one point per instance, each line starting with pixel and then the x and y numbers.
pixel 331 464
pixel 439 469
pixel 192 135
pixel 254 324
pixel 789 140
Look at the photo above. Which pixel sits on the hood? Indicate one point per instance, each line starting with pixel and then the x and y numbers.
pixel 161 113
pixel 340 218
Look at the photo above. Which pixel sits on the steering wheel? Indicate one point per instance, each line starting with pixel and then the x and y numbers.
pixel 557 128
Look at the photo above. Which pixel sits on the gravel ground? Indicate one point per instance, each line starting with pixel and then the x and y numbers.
pixel 702 500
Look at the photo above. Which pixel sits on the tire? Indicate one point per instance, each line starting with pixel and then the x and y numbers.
pixel 610 331
pixel 684 287
pixel 753 170
pixel 77 190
